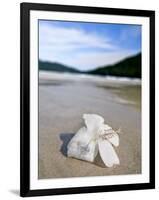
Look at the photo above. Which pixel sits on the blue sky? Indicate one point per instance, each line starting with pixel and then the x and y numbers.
pixel 87 45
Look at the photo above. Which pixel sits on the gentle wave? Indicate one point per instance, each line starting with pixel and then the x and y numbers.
pixel 86 77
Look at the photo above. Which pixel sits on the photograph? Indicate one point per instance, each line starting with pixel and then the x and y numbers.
pixel 89 99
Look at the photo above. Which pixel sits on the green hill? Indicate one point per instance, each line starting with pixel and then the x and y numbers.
pixel 129 67
pixel 48 66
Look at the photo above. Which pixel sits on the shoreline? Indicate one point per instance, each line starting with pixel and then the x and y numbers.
pixel 62 102
pixel 46 75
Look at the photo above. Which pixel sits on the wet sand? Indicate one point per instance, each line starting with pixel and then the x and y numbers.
pixel 63 99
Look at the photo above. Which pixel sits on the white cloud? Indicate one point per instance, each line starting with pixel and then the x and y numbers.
pixel 54 40
pixel 71 37
pixel 77 47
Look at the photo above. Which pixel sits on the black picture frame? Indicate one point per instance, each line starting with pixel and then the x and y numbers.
pixel 25 9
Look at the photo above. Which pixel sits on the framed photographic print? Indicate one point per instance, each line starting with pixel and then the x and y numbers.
pixel 87 99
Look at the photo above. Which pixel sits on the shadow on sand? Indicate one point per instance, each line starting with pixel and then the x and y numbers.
pixel 65 138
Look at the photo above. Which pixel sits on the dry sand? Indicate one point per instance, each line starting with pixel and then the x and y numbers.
pixel 62 101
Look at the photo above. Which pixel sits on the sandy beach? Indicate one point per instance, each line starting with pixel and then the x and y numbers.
pixel 63 99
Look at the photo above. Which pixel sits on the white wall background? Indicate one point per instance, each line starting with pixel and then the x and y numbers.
pixel 9 98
